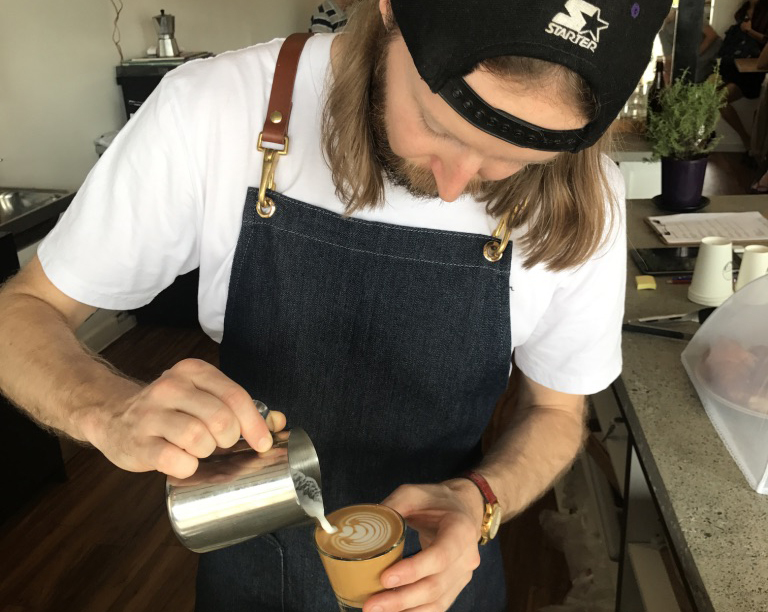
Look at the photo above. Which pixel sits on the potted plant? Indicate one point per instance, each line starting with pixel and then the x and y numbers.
pixel 682 134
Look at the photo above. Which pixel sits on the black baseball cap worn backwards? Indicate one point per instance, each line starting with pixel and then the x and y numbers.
pixel 606 42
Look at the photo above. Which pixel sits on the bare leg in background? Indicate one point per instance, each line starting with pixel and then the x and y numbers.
pixel 732 117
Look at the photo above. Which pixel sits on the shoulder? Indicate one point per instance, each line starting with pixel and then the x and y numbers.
pixel 239 78
pixel 227 72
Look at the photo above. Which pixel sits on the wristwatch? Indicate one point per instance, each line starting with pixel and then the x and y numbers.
pixel 492 516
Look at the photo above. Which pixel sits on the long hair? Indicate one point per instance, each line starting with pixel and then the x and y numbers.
pixel 564 212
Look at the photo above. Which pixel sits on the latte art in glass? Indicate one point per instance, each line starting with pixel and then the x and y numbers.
pixel 370 538
pixel 362 532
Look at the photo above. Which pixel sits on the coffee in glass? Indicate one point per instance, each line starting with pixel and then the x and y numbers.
pixel 369 539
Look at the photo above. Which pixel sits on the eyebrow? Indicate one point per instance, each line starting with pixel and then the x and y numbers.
pixel 427 116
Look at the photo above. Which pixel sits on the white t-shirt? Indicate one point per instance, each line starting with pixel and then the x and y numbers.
pixel 168 195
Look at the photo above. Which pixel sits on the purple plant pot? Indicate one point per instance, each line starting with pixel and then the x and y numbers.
pixel 682 181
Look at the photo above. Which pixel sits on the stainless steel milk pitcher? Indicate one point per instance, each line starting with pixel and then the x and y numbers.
pixel 238 493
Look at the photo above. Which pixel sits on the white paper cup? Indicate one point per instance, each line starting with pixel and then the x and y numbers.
pixel 754 263
pixel 712 281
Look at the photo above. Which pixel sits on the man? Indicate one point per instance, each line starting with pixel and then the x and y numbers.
pixel 444 201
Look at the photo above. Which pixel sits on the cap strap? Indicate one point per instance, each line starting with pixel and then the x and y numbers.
pixel 463 99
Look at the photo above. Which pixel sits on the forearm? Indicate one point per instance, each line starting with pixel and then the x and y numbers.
pixel 758 36
pixel 537 447
pixel 47 372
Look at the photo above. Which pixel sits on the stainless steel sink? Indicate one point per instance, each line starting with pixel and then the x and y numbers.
pixel 20 208
pixel 17 202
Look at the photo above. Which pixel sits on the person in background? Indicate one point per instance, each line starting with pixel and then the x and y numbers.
pixel 760 186
pixel 707 52
pixel 759 140
pixel 746 38
pixel 329 17
pixel 445 205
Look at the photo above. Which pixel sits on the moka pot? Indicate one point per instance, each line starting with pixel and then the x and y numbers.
pixel 166 28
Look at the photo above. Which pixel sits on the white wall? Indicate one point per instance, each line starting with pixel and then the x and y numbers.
pixel 57 71
pixel 722 14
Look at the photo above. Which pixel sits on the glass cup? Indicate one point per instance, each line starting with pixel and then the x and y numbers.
pixel 370 539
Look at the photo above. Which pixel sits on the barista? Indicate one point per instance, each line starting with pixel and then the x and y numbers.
pixel 444 202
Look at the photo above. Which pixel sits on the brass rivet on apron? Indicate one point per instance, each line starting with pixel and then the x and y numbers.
pixel 276 117
pixel 267 209
pixel 493 251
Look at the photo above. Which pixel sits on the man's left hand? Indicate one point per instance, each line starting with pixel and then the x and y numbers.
pixel 447 517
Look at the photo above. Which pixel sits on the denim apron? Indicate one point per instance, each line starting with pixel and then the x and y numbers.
pixel 389 346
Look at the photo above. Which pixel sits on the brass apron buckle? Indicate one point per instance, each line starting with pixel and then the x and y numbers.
pixel 265 206
pixel 494 249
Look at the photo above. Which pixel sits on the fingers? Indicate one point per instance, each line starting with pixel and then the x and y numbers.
pixel 187 433
pixel 450 548
pixel 191 417
pixel 432 594
pixel 276 421
pixel 169 458
pixel 247 419
pixel 432 579
pixel 180 418
pixel 409 499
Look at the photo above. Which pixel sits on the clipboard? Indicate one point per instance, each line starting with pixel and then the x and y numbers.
pixel 690 228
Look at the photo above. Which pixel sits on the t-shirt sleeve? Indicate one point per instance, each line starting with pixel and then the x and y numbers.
pixel 576 346
pixel 133 226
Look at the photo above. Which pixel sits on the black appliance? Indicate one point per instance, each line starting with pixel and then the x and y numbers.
pixel 30 456
pixel 139 77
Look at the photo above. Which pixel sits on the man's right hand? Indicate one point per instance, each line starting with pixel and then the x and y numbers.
pixel 178 419
pixel 166 426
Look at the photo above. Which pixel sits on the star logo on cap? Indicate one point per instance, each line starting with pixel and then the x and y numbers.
pixel 593 24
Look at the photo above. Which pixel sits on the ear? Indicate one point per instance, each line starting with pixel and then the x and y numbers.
pixel 386 11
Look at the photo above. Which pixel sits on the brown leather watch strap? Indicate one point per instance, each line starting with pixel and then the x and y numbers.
pixel 482 484
pixel 281 99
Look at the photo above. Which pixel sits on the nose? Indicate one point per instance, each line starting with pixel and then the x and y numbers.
pixel 453 172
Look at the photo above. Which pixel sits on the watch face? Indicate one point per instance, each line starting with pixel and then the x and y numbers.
pixel 495 522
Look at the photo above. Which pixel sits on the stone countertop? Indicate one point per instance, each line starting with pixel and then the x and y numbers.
pixel 717 523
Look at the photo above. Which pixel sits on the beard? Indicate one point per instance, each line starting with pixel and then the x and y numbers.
pixel 417 181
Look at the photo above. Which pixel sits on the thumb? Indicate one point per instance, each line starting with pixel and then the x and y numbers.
pixel 408 499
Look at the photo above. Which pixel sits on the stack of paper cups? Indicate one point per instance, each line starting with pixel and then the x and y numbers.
pixel 754 264
pixel 712 281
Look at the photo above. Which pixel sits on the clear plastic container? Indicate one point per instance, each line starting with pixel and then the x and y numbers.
pixel 727 361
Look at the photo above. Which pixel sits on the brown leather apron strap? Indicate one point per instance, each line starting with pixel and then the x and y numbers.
pixel 273 140
pixel 275 128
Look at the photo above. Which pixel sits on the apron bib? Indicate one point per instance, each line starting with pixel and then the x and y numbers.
pixel 389 346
